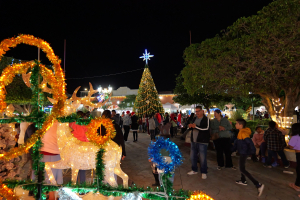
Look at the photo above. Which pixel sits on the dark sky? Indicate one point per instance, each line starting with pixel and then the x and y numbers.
pixel 107 37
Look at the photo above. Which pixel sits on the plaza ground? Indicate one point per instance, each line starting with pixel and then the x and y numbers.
pixel 220 185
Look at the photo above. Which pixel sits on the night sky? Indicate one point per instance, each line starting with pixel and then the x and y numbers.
pixel 108 37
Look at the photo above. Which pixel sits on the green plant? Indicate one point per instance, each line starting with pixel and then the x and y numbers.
pixel 238 114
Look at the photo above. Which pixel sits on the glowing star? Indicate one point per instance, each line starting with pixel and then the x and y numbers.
pixel 146 56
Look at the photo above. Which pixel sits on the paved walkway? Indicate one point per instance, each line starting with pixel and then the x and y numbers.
pixel 220 185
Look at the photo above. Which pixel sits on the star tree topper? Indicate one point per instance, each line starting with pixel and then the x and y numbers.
pixel 146 56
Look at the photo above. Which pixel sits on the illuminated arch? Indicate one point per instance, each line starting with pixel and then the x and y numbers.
pixel 56 81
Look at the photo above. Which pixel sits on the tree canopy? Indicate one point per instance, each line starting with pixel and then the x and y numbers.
pixel 257 54
pixel 129 100
pixel 17 91
pixel 199 97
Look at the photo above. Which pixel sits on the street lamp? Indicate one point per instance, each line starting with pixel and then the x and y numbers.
pixel 105 90
pixel 99 89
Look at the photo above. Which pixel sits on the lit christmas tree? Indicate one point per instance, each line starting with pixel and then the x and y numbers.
pixel 147 100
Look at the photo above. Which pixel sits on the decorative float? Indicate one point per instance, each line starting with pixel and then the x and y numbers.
pixel 101 152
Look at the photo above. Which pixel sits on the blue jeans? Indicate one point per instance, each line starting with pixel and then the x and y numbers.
pixel 201 149
pixel 140 128
pixel 281 154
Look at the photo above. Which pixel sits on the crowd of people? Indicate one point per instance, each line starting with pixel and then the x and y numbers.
pixel 262 114
pixel 152 123
pixel 264 145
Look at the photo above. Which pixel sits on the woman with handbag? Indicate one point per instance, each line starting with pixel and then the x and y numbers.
pixel 220 127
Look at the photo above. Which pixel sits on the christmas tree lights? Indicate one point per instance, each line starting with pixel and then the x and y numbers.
pixel 147 100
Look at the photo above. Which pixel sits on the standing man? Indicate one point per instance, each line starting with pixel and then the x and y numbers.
pixel 115 117
pixel 275 144
pixel 167 118
pixel 126 125
pixel 199 141
pixel 134 126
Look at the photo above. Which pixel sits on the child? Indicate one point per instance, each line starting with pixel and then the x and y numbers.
pixel 140 124
pixel 295 144
pixel 245 147
pixel 155 173
pixel 259 143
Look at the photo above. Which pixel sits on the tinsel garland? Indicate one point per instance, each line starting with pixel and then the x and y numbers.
pixel 40 118
pixel 104 189
pixel 100 140
pixel 167 184
pixel 100 166
pixel 7 192
pixel 174 152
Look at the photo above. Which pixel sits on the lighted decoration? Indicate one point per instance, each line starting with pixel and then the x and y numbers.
pixel 229 106
pixel 82 155
pixel 55 79
pixel 26 79
pixel 9 111
pixel 146 56
pixel 200 196
pixel 147 100
pixel 101 97
pixel 7 193
pixel 174 153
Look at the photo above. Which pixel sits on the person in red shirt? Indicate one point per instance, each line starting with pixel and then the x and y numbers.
pixel 179 118
pixel 158 117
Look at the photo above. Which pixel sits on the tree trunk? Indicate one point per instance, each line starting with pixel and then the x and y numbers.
pixel 268 104
pixel 290 102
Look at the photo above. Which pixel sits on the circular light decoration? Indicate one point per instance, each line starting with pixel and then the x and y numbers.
pixel 92 134
pixel 174 152
pixel 55 79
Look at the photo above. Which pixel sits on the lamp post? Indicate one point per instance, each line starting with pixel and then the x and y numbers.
pixel 105 90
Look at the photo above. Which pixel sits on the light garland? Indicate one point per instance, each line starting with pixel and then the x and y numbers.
pixel 56 82
pixel 7 193
pixel 158 159
pixel 200 196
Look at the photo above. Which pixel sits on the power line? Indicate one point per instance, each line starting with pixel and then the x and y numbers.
pixel 107 74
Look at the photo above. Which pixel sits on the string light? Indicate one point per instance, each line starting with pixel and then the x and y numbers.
pixel 147 100
pixel 200 196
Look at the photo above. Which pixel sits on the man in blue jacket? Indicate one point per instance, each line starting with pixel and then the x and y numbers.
pixel 245 147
